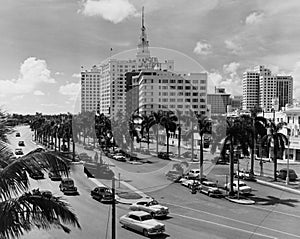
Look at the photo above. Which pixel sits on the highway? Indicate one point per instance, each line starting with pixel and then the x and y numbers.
pixel 276 214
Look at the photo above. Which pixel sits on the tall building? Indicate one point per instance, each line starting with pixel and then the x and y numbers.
pixel 261 88
pixel 218 101
pixel 166 90
pixel 284 90
pixel 109 96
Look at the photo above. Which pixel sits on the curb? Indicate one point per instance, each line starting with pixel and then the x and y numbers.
pixel 291 190
pixel 241 201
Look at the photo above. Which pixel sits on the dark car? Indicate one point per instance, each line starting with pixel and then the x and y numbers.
pixel 163 155
pixel 21 143
pixel 283 173
pixel 67 186
pixel 18 151
pixel 89 147
pixel 36 174
pixel 102 194
pixel 18 134
pixel 54 176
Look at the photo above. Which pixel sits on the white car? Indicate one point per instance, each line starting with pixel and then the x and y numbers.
pixel 152 207
pixel 142 222
pixel 119 157
pixel 189 183
pixel 194 173
pixel 243 188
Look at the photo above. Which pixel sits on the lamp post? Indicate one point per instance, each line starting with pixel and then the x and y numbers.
pixel 288 161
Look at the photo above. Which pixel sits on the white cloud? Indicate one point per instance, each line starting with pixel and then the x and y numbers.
pixel 202 48
pixel 17 97
pixel 33 71
pixel 112 10
pixel 38 92
pixel 59 73
pixel 232 46
pixel 71 89
pixel 254 18
pixel 296 76
pixel 214 80
pixel 76 75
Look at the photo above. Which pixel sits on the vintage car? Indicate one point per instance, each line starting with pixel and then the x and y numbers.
pixel 244 174
pixel 18 134
pixel 282 173
pixel 152 207
pixel 35 174
pixel 119 157
pixel 102 194
pixel 210 188
pixel 241 187
pixel 19 151
pixel 54 175
pixel 67 186
pixel 142 222
pixel 21 143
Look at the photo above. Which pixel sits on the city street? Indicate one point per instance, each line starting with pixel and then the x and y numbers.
pixel 276 214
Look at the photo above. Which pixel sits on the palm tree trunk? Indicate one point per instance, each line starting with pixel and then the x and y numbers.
pixel 148 139
pixel 55 141
pixel 157 140
pixel 73 149
pixel 253 148
pixel 192 141
pixel 167 131
pixel 275 163
pixel 179 140
pixel 231 168
pixel 201 157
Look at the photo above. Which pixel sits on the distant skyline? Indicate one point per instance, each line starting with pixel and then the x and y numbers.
pixel 44 43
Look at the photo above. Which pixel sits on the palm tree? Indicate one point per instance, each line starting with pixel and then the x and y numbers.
pixel 22 210
pixel 168 121
pixel 192 121
pixel 181 118
pixel 147 122
pixel 203 127
pixel 236 137
pixel 157 118
pixel 278 139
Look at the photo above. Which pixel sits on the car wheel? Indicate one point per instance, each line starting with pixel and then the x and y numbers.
pixel 145 232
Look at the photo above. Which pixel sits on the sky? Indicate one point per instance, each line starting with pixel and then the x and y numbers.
pixel 44 43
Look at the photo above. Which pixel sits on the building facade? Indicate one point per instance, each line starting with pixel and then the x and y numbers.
pixel 218 101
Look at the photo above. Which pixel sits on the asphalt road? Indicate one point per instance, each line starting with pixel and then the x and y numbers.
pixel 275 215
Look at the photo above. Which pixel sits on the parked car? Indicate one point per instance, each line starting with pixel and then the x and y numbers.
pixel 282 173
pixel 54 176
pixel 67 186
pixel 152 207
pixel 43 193
pixel 194 173
pixel 36 174
pixel 21 143
pixel 119 157
pixel 243 188
pixel 189 182
pixel 142 222
pixel 245 175
pixel 163 155
pixel 19 151
pixel 85 157
pixel 18 134
pixel 98 170
pixel 210 188
pixel 102 194
pixel 174 175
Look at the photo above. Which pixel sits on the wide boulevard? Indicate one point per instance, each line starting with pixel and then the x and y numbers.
pixel 276 213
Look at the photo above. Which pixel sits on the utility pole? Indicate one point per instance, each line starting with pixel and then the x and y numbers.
pixel 113 211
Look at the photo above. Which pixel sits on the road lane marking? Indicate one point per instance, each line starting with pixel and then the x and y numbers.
pixel 223 225
pixel 234 220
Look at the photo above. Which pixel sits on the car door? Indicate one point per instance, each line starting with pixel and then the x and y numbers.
pixel 143 206
pixel 134 222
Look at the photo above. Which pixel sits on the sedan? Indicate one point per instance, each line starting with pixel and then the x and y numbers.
pixel 142 222
pixel 18 134
pixel 19 151
pixel 283 173
pixel 190 182
pixel 119 157
pixel 21 143
pixel 54 176
pixel 210 188
pixel 152 207
pixel 243 188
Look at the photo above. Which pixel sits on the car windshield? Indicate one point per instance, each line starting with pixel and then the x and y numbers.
pixel 146 217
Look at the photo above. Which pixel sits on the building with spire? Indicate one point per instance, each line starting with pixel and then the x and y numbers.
pixel 109 88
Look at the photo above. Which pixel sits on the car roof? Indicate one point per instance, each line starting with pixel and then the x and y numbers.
pixel 138 213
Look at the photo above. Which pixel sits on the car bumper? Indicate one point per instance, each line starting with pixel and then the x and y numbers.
pixel 156 231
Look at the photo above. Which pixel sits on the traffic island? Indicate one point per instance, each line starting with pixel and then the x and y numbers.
pixel 240 200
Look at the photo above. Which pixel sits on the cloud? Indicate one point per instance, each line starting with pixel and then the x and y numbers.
pixel 296 84
pixel 76 75
pixel 111 10
pixel 17 97
pixel 38 92
pixel 254 18
pixel 202 48
pixel 214 80
pixel 33 71
pixel 59 73
pixel 231 69
pixel 234 47
pixel 71 90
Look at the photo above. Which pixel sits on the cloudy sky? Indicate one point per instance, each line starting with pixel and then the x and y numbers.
pixel 44 43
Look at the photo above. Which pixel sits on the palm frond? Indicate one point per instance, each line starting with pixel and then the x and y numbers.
pixel 32 210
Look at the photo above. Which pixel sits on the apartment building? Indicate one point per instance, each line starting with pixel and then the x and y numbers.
pixel 218 101
pixel 166 90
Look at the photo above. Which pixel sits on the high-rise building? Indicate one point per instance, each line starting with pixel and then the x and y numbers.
pixel 109 96
pixel 261 88
pixel 165 90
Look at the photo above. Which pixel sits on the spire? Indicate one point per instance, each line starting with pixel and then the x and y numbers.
pixel 143 45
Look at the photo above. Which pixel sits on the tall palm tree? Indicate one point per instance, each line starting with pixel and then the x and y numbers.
pixel 147 122
pixel 168 121
pixel 157 118
pixel 203 127
pixel 192 121
pixel 278 139
pixel 235 138
pixel 181 119
pixel 22 210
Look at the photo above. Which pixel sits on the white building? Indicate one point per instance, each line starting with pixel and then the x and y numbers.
pixel 250 90
pixel 166 90
pixel 110 81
